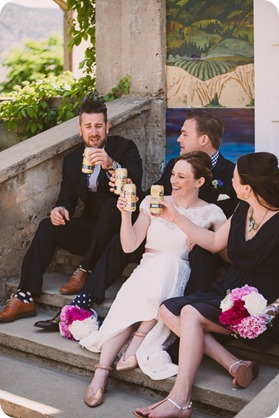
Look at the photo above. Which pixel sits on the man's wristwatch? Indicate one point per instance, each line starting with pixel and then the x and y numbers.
pixel 113 165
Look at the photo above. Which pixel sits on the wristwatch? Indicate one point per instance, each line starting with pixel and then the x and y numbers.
pixel 113 165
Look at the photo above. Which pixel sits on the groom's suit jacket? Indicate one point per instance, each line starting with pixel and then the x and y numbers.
pixel 224 195
pixel 74 183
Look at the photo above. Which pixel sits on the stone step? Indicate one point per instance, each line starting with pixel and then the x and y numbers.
pixel 213 391
pixel 51 299
pixel 39 391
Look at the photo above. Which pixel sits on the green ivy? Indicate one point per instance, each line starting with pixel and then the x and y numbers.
pixel 83 28
pixel 33 108
pixel 35 60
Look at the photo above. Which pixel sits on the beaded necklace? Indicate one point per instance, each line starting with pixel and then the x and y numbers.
pixel 252 224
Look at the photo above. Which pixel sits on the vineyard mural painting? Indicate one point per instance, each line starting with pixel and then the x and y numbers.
pixel 210 64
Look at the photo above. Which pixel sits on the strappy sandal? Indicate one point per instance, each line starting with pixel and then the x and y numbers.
pixel 180 408
pixel 244 374
pixel 131 362
pixel 95 399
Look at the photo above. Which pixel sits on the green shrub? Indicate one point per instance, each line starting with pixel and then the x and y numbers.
pixel 35 60
pixel 32 108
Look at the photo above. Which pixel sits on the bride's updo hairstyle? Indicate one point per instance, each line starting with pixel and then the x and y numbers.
pixel 260 171
pixel 201 165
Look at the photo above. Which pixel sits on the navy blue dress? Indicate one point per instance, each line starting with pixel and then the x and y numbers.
pixel 254 262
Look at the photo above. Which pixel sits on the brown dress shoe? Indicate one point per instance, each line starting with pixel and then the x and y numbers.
pixel 16 309
pixel 76 282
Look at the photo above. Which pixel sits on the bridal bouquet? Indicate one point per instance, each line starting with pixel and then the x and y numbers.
pixel 77 323
pixel 245 312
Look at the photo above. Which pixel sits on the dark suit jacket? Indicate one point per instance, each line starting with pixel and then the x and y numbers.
pixel 222 171
pixel 74 182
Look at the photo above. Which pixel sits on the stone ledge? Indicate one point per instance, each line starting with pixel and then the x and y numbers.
pixel 60 138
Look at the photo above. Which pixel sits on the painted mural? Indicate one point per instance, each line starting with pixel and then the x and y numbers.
pixel 210 53
pixel 210 64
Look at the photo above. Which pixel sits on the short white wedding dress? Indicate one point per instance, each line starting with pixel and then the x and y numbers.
pixel 162 274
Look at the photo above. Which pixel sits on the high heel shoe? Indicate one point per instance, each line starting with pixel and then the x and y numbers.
pixel 244 373
pixel 95 399
pixel 131 362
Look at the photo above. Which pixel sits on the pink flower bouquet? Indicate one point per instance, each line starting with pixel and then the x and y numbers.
pixel 77 323
pixel 245 312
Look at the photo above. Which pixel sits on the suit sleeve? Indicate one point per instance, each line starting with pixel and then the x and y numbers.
pixel 67 196
pixel 228 205
pixel 129 158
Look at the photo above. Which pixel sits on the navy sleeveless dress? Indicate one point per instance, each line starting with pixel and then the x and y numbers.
pixel 254 262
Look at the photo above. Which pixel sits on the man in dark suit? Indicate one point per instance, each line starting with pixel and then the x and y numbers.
pixel 88 234
pixel 201 131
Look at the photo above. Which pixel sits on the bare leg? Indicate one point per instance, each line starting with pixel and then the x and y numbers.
pixel 192 328
pixel 143 329
pixel 216 351
pixel 242 371
pixel 109 352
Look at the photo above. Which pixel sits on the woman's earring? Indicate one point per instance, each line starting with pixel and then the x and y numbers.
pixel 245 196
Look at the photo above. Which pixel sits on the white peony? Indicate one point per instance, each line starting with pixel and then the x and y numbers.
pixel 226 303
pixel 255 304
pixel 81 329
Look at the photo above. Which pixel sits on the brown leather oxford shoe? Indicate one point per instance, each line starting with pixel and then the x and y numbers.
pixel 16 309
pixel 76 282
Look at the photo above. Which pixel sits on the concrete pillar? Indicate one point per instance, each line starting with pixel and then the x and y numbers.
pixel 131 40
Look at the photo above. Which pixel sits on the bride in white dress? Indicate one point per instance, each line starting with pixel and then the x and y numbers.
pixel 162 273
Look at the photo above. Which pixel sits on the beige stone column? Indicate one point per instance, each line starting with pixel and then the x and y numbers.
pixel 131 40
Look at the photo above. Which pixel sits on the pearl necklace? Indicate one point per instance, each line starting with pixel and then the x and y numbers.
pixel 252 224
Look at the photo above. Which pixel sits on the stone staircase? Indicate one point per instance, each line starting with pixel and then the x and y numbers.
pixel 45 375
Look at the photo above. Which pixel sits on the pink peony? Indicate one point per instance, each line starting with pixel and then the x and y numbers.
pixel 239 292
pixel 68 315
pixel 251 327
pixel 234 315
pixel 245 312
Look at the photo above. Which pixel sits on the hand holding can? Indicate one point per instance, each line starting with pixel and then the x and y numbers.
pixel 120 180
pixel 87 167
pixel 156 194
pixel 130 193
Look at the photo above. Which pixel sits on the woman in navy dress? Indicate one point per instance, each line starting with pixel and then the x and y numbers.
pixel 251 236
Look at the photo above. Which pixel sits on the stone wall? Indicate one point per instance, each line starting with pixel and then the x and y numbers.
pixel 131 40
pixel 30 174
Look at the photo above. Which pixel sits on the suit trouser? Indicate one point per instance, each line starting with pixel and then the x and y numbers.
pixel 87 237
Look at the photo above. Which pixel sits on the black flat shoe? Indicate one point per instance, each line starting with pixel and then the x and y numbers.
pixel 49 324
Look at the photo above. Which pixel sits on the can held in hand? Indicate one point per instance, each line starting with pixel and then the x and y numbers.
pixel 130 192
pixel 156 194
pixel 120 180
pixel 87 167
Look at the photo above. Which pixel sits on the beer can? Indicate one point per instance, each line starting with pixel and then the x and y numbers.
pixel 130 192
pixel 156 194
pixel 87 167
pixel 120 180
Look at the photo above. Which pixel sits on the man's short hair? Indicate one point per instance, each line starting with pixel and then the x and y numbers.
pixel 207 124
pixel 93 106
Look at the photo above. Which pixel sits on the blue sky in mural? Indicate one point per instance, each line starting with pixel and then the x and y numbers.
pixel 238 136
